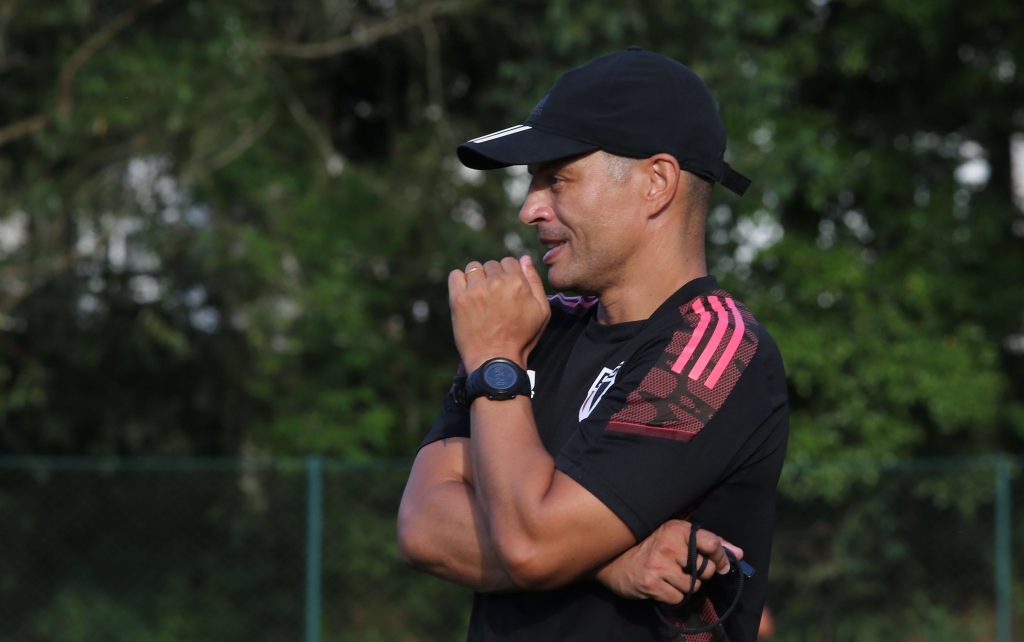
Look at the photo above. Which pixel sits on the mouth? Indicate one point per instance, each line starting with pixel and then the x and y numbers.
pixel 554 248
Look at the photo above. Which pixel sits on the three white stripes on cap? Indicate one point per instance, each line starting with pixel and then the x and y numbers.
pixel 515 129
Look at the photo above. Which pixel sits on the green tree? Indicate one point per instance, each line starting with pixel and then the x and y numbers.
pixel 225 227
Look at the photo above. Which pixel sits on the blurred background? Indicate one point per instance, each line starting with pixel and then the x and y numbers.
pixel 225 230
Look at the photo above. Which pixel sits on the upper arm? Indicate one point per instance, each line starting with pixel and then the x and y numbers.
pixel 444 453
pixel 441 461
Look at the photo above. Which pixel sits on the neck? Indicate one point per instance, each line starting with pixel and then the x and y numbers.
pixel 673 255
pixel 637 298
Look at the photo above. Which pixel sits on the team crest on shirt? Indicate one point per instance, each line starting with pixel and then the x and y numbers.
pixel 601 385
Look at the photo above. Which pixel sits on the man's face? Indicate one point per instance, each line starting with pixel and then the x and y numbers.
pixel 586 217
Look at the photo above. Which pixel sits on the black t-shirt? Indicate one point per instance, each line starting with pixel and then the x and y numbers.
pixel 684 414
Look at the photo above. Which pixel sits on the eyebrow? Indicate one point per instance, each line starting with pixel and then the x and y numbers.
pixel 554 165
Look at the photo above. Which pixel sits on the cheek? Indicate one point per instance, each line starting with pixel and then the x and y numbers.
pixel 608 217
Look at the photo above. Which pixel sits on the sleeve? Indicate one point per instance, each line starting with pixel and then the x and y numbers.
pixel 453 420
pixel 676 425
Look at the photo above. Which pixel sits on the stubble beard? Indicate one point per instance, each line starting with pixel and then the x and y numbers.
pixel 576 278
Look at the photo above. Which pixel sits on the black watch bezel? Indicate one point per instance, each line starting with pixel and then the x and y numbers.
pixel 498 379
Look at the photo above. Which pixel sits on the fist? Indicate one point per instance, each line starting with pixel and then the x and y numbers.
pixel 499 309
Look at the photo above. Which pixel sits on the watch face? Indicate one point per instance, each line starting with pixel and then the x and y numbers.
pixel 500 376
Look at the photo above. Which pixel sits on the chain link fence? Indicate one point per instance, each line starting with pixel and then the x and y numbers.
pixel 292 550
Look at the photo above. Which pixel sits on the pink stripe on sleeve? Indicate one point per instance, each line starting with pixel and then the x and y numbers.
pixel 715 341
pixel 698 334
pixel 730 350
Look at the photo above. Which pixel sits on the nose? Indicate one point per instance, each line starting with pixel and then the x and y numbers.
pixel 537 206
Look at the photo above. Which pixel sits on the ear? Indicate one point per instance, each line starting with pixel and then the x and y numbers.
pixel 663 182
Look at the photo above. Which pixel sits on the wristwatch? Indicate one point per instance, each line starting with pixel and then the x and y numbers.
pixel 498 379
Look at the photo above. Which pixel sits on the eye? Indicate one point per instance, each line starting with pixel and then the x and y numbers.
pixel 547 178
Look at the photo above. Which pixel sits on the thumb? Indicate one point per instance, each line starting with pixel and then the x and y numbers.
pixel 533 278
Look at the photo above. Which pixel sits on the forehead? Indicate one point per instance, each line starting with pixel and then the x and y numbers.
pixel 571 164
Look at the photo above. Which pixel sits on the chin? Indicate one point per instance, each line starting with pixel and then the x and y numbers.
pixel 557 282
pixel 574 286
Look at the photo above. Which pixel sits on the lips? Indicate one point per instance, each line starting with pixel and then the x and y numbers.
pixel 550 255
pixel 555 246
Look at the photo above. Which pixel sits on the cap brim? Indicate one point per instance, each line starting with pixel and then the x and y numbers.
pixel 519 145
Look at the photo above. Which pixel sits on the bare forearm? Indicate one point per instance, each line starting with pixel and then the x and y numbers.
pixel 544 525
pixel 512 470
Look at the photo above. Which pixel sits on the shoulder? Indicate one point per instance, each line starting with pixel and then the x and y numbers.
pixel 713 341
pixel 710 333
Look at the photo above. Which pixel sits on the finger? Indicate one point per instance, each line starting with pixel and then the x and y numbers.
pixel 709 569
pixel 736 550
pixel 666 593
pixel 456 282
pixel 493 268
pixel 533 278
pixel 510 265
pixel 705 567
pixel 474 271
pixel 711 545
pixel 682 582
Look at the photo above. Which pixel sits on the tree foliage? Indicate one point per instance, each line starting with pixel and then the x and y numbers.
pixel 226 226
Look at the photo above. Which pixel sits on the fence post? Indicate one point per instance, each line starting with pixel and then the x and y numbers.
pixel 1003 551
pixel 314 538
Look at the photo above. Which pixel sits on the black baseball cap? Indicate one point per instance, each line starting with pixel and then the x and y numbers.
pixel 633 103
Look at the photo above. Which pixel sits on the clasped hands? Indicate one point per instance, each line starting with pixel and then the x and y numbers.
pixel 499 309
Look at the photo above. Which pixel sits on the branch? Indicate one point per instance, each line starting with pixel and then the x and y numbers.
pixel 85 51
pixel 70 69
pixel 22 128
pixel 364 36
pixel 248 138
pixel 230 153
pixel 435 84
pixel 333 161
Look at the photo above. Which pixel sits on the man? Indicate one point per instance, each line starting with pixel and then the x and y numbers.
pixel 558 477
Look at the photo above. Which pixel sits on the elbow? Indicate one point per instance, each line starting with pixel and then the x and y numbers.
pixel 413 549
pixel 525 563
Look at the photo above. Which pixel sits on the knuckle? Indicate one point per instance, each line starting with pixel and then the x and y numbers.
pixel 710 543
pixel 648 581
